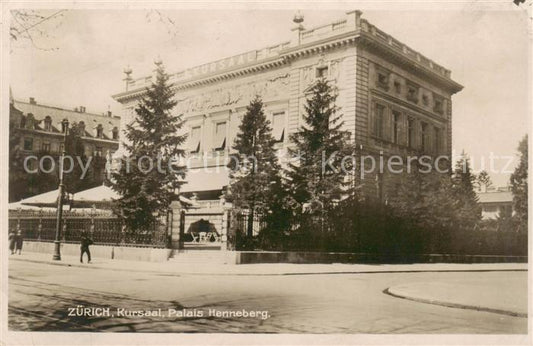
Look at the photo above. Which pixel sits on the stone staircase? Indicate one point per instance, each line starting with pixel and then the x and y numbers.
pixel 202 257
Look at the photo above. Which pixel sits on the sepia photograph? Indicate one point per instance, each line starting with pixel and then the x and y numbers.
pixel 299 173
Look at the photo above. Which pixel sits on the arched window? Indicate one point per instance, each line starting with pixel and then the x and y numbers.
pixel 81 126
pixel 48 123
pixel 115 133
pixel 30 122
pixel 99 131
pixel 64 125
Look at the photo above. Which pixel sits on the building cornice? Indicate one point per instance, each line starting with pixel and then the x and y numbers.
pixel 209 79
pixel 352 31
pixel 409 63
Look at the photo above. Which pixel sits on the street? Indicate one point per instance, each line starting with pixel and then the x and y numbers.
pixel 41 297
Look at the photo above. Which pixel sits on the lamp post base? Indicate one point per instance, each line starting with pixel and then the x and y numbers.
pixel 57 253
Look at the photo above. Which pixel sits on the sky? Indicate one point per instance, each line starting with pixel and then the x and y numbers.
pixel 85 50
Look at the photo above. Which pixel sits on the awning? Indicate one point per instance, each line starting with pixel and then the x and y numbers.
pixel 100 193
pixel 100 197
pixel 105 195
pixel 47 199
pixel 206 179
pixel 19 205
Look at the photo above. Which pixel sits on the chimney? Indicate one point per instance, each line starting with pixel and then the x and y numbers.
pixel 109 113
pixel 82 109
pixel 76 109
pixel 32 101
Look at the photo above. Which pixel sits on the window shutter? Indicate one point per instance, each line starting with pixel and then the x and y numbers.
pixel 194 139
pixel 278 126
pixel 220 136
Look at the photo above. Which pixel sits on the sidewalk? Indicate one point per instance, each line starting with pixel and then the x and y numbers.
pixel 173 268
pixel 503 296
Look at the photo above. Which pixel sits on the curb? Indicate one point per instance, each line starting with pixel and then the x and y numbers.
pixel 454 305
pixel 167 273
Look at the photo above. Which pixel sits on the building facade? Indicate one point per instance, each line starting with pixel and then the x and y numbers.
pixel 391 98
pixel 39 131
pixel 42 131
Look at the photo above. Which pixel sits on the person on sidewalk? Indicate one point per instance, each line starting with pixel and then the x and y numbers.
pixel 19 240
pixel 12 241
pixel 85 242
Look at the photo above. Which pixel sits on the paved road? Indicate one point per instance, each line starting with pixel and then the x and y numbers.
pixel 40 296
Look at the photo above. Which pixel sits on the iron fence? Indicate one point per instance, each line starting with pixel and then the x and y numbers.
pixel 102 227
pixel 241 220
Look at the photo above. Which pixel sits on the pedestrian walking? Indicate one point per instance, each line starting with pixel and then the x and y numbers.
pixel 19 239
pixel 85 242
pixel 12 242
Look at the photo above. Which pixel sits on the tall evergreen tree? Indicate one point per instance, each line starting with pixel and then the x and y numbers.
pixel 316 177
pixel 519 186
pixel 255 168
pixel 148 177
pixel 467 207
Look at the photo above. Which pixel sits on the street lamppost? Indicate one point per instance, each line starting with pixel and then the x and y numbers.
pixel 59 217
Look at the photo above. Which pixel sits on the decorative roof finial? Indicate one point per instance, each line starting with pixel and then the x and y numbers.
pixel 298 18
pixel 127 71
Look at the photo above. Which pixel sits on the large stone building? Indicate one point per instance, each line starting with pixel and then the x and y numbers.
pixel 41 128
pixel 40 131
pixel 392 98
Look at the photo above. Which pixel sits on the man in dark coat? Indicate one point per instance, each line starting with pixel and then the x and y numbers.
pixel 19 240
pixel 85 242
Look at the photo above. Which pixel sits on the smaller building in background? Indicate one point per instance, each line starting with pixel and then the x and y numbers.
pixel 41 129
pixel 496 202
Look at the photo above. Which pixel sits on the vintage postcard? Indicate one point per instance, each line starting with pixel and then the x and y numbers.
pixel 266 172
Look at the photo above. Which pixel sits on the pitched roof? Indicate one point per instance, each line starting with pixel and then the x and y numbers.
pixel 57 114
pixel 495 197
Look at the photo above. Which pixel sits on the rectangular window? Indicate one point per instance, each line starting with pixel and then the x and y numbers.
pixel 412 93
pixel 194 139
pixel 28 143
pixel 278 126
pixel 98 151
pixel 383 80
pixel 438 140
pixel 439 105
pixel 220 136
pixel 396 121
pixel 45 147
pixel 321 72
pixel 397 87
pixel 379 120
pixel 411 132
pixel 424 136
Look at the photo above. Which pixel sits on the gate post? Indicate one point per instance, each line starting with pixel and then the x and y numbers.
pixel 175 225
pixel 226 219
pixel 181 230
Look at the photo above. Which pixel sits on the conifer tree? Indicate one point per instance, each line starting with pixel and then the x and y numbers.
pixel 148 177
pixel 467 207
pixel 255 169
pixel 316 177
pixel 519 186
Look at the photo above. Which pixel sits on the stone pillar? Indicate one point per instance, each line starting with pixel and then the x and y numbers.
pixel 226 207
pixel 175 224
